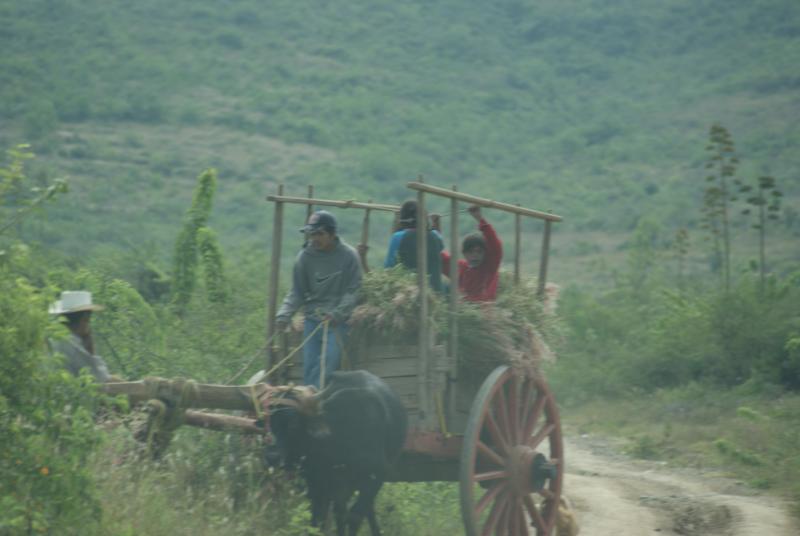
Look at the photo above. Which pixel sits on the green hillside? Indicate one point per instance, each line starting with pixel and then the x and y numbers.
pixel 596 110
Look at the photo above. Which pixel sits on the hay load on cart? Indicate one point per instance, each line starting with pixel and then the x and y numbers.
pixel 515 329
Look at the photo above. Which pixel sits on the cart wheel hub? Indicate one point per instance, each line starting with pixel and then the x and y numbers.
pixel 542 471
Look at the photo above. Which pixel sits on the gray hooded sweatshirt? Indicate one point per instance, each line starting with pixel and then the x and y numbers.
pixel 324 282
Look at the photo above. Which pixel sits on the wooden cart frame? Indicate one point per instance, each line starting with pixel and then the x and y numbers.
pixel 502 441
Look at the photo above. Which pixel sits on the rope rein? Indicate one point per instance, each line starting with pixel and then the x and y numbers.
pixel 323 355
pixel 297 349
pixel 255 356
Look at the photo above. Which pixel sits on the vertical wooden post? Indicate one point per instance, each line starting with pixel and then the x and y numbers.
pixel 517 246
pixel 454 296
pixel 544 259
pixel 365 226
pixel 274 273
pixel 423 343
pixel 310 208
pixel 364 241
pixel 453 275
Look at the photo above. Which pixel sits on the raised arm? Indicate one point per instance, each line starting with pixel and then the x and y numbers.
pixel 494 248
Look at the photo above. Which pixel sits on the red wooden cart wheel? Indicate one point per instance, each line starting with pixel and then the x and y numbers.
pixel 512 458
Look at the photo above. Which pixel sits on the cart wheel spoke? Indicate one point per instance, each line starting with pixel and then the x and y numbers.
pixel 533 416
pixel 525 402
pixel 513 409
pixel 497 435
pixel 505 517
pixel 490 495
pixel 492 524
pixel 490 475
pixel 524 524
pixel 513 518
pixel 500 407
pixel 516 523
pixel 489 454
pixel 533 511
pixel 546 430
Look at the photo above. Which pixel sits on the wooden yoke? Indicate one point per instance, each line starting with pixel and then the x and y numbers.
pixel 189 394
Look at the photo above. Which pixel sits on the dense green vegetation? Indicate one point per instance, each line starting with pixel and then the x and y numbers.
pixel 594 110
pixel 599 111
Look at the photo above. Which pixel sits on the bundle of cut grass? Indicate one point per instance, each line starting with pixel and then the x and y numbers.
pixel 510 331
pixel 389 309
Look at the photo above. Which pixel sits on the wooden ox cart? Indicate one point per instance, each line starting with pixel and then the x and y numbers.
pixel 500 439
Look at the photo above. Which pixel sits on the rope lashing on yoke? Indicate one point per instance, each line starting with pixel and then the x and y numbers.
pixel 159 388
pixel 303 400
pixel 165 409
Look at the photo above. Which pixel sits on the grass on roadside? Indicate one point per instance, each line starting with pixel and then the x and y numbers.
pixel 214 484
pixel 752 437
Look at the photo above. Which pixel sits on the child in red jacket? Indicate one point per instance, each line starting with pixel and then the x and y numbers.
pixel 477 271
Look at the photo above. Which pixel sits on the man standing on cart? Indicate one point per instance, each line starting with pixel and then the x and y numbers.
pixel 325 282
pixel 478 270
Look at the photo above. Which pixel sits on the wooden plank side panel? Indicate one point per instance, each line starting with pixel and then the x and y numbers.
pixel 406 389
pixel 390 351
pixel 392 368
pixel 397 365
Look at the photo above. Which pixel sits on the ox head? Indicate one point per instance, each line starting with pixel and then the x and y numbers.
pixel 296 418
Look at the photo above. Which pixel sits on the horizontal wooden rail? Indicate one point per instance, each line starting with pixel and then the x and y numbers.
pixel 332 203
pixel 420 186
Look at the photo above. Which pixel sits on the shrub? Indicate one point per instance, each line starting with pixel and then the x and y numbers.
pixel 46 423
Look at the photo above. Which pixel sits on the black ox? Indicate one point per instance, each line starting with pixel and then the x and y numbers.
pixel 344 439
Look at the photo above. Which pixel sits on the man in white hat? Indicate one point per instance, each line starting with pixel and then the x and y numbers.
pixel 76 307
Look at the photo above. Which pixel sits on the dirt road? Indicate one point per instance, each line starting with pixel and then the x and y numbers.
pixel 612 495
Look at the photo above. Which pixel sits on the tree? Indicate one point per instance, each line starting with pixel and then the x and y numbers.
pixel 47 427
pixel 721 164
pixel 197 241
pixel 767 201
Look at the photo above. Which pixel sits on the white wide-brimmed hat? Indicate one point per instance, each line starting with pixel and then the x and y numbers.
pixel 74 301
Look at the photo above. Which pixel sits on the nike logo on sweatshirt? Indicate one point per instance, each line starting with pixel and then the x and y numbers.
pixel 323 278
